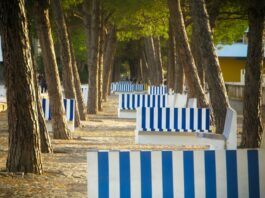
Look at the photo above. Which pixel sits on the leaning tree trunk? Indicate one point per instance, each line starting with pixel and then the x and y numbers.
pixel 171 58
pixel 92 105
pixel 67 70
pixel 252 124
pixel 59 123
pixel 109 53
pixel 45 141
pixel 218 95
pixel 24 153
pixel 79 96
pixel 184 55
pixel 158 59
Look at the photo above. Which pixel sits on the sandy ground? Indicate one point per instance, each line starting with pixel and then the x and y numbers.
pixel 65 170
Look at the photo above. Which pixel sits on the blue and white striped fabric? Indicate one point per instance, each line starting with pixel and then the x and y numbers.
pixel 132 101
pixel 162 89
pixel 126 86
pixel 170 174
pixel 173 119
pixel 84 89
pixel 69 105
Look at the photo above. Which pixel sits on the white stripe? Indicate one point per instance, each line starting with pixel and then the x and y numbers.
pixel 242 173
pixel 164 118
pixel 67 109
pixel 125 101
pixel 178 175
pixel 179 119
pixel 156 119
pixel 195 124
pixel 262 172
pixel 135 174
pixel 92 174
pixel 203 119
pixel 139 119
pixel 156 163
pixel 151 101
pixel 120 101
pixel 199 174
pixel 187 118
pixel 130 101
pixel 47 109
pixel 220 162
pixel 147 118
pixel 171 123
pixel 114 175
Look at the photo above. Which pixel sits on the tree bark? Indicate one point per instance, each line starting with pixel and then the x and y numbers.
pixel 92 105
pixel 77 82
pixel 109 54
pixel 158 60
pixel 116 71
pixel 146 70
pixel 100 58
pixel 67 70
pixel 184 54
pixel 59 123
pixel 214 78
pixel 171 58
pixel 24 153
pixel 151 59
pixel 252 124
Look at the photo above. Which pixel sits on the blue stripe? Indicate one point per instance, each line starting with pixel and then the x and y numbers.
pixel 210 174
pixel 125 185
pixel 50 111
pixel 159 119
pixel 128 101
pixel 43 105
pixel 138 100
pixel 143 118
pixel 164 100
pixel 146 175
pixel 154 100
pixel 200 119
pixel 133 101
pixel 152 119
pixel 183 118
pixel 167 119
pixel 231 174
pixel 71 110
pixel 103 174
pixel 192 119
pixel 176 119
pixel 188 174
pixel 253 173
pixel 122 101
pixel 207 119
pixel 167 174
pixel 148 100
pixel 143 101
pixel 158 101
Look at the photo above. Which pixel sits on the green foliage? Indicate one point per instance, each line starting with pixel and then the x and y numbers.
pixel 137 18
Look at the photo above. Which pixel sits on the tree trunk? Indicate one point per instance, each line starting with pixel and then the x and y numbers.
pixel 146 74
pixel 45 141
pixel 218 95
pixel 92 105
pixel 59 123
pixel 158 59
pixel 79 97
pixel 100 59
pixel 111 43
pixel 67 71
pixel 184 55
pixel 252 124
pixel 151 59
pixel 24 153
pixel 196 52
pixel 171 58
pixel 116 72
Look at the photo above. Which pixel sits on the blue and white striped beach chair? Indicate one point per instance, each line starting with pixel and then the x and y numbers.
pixel 172 174
pixel 69 105
pixel 183 126
pixel 157 90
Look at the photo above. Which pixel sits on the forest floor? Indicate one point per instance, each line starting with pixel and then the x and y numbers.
pixel 65 170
